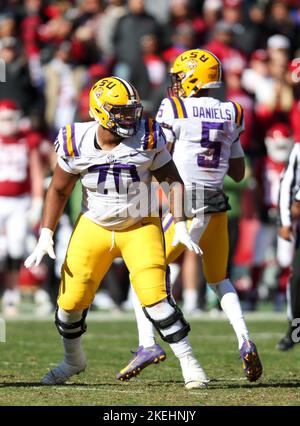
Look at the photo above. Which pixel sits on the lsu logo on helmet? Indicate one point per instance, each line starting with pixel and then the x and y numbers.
pixel 115 104
pixel 194 70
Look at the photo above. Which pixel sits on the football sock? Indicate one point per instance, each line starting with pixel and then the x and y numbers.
pixel 145 327
pixel 73 351
pixel 190 298
pixel 231 306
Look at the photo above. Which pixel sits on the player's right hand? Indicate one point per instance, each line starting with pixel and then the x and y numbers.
pixel 286 233
pixel 44 246
pixel 182 236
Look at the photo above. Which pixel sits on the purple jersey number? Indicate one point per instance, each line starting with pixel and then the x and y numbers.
pixel 213 146
pixel 117 169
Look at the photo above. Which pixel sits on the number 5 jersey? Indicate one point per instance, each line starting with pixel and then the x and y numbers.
pixel 205 133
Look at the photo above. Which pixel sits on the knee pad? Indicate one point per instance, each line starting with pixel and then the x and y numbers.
pixel 162 325
pixel 71 327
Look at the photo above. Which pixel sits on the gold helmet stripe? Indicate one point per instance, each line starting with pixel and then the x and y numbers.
pixel 130 89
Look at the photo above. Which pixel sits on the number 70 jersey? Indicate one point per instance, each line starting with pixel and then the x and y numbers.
pixel 205 133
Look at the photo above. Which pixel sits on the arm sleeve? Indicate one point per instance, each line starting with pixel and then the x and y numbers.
pixel 165 117
pixel 286 188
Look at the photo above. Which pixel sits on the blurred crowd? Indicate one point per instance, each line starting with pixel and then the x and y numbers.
pixel 51 53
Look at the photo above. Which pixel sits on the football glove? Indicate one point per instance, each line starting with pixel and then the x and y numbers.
pixel 182 236
pixel 44 246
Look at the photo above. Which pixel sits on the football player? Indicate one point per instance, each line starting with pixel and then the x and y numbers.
pixel 114 156
pixel 21 197
pixel 203 134
pixel 289 232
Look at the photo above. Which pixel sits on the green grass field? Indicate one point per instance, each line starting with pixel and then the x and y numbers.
pixel 33 347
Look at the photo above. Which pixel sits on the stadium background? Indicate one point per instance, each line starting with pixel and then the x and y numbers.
pixel 54 51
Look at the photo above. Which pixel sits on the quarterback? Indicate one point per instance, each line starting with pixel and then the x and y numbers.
pixel 203 134
pixel 110 155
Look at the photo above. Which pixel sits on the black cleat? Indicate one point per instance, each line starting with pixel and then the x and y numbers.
pixel 286 343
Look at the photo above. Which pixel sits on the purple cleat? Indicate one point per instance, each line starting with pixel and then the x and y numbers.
pixel 251 362
pixel 142 358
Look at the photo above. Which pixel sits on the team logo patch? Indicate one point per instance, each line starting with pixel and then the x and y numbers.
pixel 192 63
pixel 110 158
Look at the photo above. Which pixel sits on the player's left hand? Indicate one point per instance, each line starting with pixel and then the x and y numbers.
pixel 182 236
pixel 44 246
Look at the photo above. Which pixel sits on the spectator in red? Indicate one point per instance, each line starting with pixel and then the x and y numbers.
pixel 95 73
pixel 293 77
pixel 21 197
pixel 156 72
pixel 221 44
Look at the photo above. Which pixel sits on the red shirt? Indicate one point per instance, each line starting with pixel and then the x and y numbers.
pixel 14 163
pixel 295 120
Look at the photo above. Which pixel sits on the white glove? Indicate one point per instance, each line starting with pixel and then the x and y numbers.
pixel 44 246
pixel 182 236
pixel 34 214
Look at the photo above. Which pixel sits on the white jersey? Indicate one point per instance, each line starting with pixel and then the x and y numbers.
pixel 111 180
pixel 205 133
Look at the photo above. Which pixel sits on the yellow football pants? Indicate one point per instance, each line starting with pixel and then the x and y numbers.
pixel 92 250
pixel 214 244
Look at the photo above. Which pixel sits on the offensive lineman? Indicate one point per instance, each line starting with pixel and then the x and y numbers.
pixel 204 136
pixel 112 156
